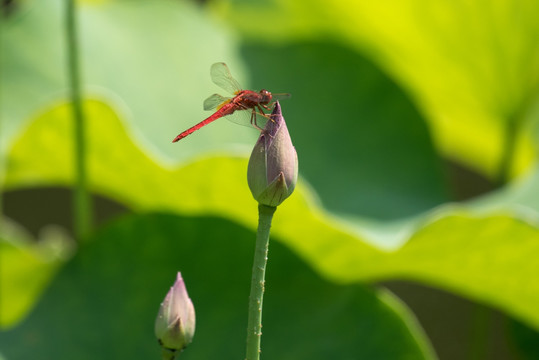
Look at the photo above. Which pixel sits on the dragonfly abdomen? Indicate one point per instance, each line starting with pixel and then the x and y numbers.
pixel 227 109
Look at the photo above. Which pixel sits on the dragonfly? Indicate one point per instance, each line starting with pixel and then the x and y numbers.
pixel 246 107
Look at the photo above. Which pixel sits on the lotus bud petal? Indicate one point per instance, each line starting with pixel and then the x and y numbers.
pixel 175 323
pixel 272 172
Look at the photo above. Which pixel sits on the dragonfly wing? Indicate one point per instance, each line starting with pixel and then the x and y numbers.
pixel 276 97
pixel 243 117
pixel 220 75
pixel 215 101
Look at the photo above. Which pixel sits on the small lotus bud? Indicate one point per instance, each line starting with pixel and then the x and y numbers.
pixel 175 323
pixel 272 172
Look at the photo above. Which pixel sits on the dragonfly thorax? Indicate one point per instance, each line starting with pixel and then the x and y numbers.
pixel 250 99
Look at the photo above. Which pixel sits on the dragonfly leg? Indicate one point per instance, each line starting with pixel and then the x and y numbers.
pixel 253 120
pixel 270 105
pixel 270 116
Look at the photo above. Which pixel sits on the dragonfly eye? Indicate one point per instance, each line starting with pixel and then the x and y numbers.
pixel 266 95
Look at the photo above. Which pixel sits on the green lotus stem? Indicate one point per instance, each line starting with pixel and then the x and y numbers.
pixel 81 197
pixel 254 322
pixel 2 147
pixel 515 122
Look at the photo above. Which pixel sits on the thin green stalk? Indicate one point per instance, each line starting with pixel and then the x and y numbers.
pixel 81 197
pixel 254 322
pixel 516 121
pixel 2 147
pixel 482 317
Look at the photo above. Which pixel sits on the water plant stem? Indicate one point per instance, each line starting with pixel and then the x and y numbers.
pixel 482 317
pixel 3 148
pixel 81 197
pixel 254 322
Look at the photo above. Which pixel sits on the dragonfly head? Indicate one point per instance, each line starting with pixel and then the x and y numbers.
pixel 266 96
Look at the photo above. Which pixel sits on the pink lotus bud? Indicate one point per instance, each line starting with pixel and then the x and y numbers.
pixel 273 167
pixel 175 323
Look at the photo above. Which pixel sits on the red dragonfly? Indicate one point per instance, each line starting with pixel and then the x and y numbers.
pixel 245 108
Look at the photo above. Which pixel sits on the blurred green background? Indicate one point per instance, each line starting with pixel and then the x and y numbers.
pixel 413 232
